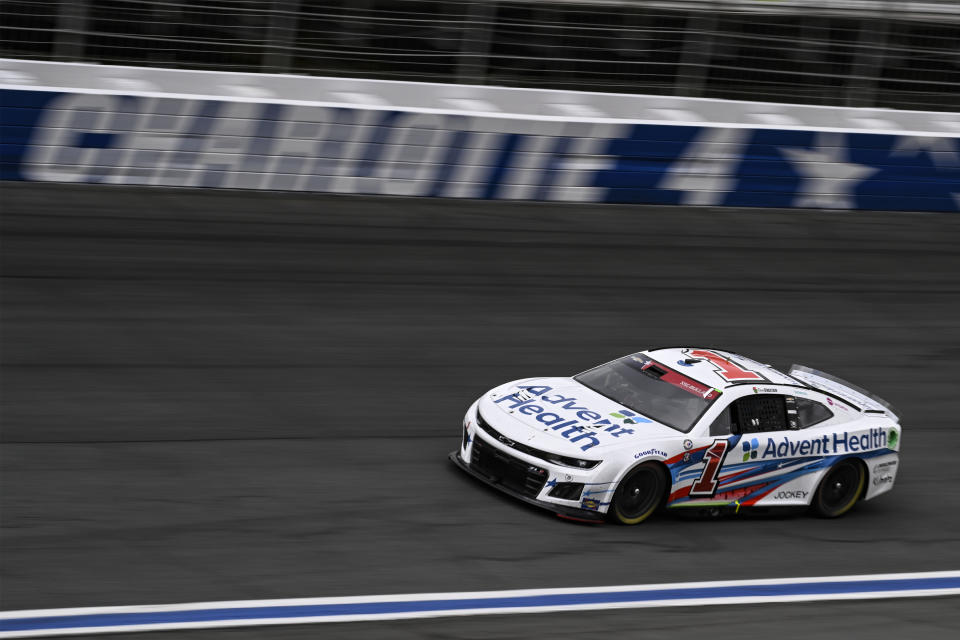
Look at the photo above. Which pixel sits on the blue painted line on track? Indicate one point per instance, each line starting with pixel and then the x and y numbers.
pixel 489 603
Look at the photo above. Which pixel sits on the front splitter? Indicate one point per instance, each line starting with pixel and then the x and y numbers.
pixel 571 513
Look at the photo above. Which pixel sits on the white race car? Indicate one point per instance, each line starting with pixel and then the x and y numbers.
pixel 682 427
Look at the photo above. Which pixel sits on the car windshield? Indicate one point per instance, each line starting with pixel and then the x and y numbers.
pixel 652 389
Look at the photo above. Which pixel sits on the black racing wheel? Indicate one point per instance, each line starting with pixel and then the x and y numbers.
pixel 839 490
pixel 638 495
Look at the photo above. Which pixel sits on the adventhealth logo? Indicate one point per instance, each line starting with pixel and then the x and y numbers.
pixel 536 401
pixel 838 443
pixel 629 417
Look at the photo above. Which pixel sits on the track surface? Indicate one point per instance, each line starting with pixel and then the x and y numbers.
pixel 212 395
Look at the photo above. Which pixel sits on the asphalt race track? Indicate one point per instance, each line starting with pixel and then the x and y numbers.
pixel 229 395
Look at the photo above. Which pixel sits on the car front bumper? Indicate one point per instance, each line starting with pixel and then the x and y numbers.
pixel 570 513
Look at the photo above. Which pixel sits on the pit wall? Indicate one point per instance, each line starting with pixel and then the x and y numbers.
pixel 246 143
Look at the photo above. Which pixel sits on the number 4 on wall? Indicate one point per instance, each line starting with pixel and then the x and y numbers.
pixel 706 484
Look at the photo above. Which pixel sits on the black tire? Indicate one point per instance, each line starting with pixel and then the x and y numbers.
pixel 839 490
pixel 638 495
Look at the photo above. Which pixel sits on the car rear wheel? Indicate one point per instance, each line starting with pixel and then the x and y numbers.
pixel 638 495
pixel 839 490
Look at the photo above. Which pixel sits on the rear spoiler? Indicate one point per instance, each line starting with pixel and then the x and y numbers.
pixel 842 389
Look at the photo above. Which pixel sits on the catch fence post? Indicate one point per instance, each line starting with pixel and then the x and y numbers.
pixel 281 36
pixel 475 42
pixel 697 50
pixel 868 62
pixel 71 29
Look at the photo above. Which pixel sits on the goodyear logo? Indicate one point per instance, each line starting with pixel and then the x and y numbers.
pixel 590 503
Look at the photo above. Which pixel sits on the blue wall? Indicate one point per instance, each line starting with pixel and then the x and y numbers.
pixel 51 136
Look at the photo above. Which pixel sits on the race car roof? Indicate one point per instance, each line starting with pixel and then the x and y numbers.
pixel 717 368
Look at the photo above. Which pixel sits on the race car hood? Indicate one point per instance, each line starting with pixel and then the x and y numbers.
pixel 562 416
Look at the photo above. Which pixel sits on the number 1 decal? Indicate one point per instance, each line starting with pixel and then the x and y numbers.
pixel 706 484
pixel 726 369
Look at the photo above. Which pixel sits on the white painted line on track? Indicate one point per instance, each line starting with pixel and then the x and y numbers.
pixel 244 613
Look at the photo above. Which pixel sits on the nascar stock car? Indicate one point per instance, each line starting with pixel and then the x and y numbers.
pixel 682 427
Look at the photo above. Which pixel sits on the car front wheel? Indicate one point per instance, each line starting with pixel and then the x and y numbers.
pixel 638 495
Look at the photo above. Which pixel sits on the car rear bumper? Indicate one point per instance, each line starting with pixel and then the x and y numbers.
pixel 571 513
